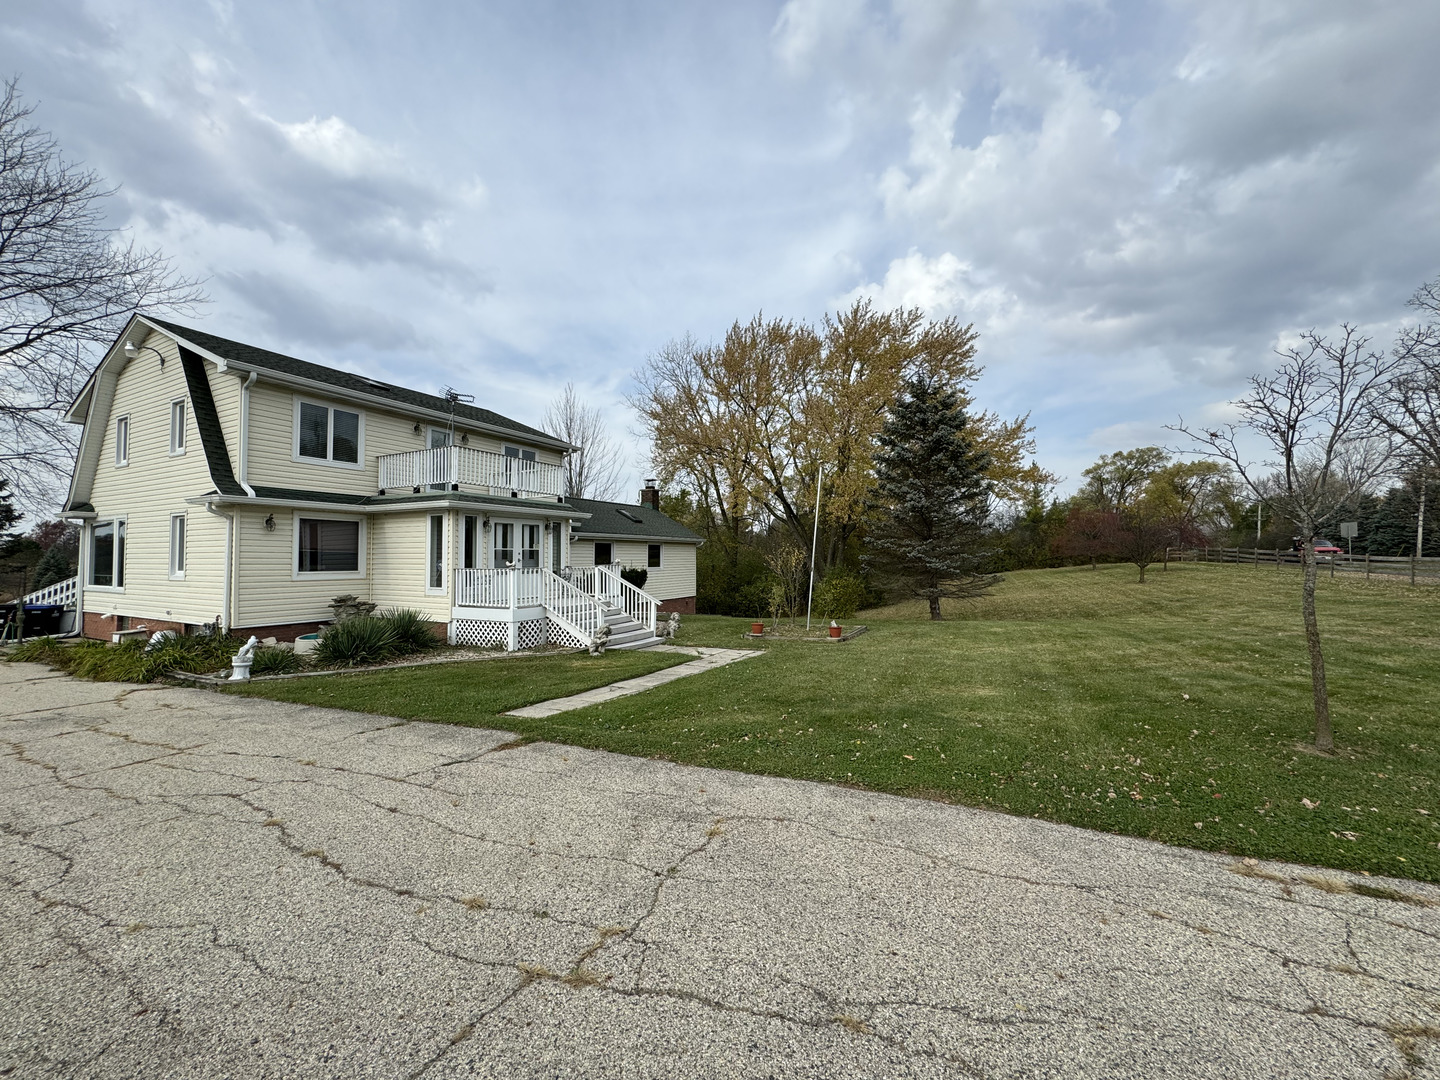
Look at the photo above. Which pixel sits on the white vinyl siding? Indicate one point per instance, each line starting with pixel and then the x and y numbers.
pixel 674 579
pixel 152 489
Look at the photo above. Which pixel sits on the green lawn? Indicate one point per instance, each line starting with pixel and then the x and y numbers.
pixel 466 693
pixel 1064 696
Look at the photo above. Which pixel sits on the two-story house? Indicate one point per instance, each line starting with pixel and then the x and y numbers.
pixel 219 482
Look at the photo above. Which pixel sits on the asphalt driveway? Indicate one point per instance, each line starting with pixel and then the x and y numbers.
pixel 205 886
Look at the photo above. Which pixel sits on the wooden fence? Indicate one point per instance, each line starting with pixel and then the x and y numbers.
pixel 1416 571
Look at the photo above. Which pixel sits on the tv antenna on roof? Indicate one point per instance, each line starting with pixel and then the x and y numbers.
pixel 454 397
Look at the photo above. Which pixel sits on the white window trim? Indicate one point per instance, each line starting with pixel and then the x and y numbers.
pixel 659 565
pixel 89 542
pixel 327 461
pixel 184 519
pixel 122 460
pixel 444 588
pixel 179 450
pixel 324 575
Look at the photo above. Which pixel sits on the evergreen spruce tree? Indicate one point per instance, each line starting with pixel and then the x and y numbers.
pixel 931 498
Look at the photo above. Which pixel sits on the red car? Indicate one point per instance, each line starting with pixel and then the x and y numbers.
pixel 1323 549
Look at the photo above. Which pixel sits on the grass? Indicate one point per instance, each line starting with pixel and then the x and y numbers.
pixel 1177 710
pixel 467 693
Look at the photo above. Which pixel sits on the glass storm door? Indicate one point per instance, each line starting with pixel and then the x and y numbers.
pixel 504 544
pixel 529 545
pixel 440 437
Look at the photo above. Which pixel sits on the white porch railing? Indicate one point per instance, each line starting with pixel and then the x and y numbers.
pixel 577 598
pixel 494 474
pixel 500 588
pixel 636 603
pixel 62 593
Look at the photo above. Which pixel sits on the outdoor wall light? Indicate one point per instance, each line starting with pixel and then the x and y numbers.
pixel 417 427
pixel 269 522
pixel 464 439
pixel 132 351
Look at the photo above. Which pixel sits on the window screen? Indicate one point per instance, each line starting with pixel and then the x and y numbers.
pixel 329 546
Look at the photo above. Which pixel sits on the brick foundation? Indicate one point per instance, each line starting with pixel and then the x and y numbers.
pixel 100 626
pixel 685 605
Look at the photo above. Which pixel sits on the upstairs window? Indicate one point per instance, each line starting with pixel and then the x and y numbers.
pixel 325 433
pixel 122 440
pixel 177 427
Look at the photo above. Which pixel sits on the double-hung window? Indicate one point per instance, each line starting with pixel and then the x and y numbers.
pixel 177 547
pixel 122 440
pixel 329 546
pixel 652 556
pixel 107 554
pixel 177 427
pixel 325 433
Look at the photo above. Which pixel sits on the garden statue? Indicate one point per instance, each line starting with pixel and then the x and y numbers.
pixel 159 638
pixel 241 661
pixel 672 626
pixel 598 642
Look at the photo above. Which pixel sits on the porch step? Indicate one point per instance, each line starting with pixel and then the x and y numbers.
pixel 626 633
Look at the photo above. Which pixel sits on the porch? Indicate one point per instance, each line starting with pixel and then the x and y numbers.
pixel 524 607
pixel 461 468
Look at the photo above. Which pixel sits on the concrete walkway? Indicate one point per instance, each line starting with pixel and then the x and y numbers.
pixel 195 885
pixel 709 659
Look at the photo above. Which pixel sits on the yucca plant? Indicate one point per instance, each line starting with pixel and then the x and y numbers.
pixel 413 631
pixel 361 640
pixel 272 661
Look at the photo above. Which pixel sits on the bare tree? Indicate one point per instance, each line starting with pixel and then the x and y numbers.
pixel 1410 411
pixel 68 283
pixel 1318 415
pixel 593 471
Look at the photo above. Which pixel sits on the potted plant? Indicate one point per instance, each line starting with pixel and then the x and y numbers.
pixel 757 628
pixel 835 629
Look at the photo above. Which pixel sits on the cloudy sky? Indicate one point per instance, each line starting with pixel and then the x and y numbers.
pixel 1133 202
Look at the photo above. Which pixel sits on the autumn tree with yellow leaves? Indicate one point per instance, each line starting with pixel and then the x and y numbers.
pixel 750 423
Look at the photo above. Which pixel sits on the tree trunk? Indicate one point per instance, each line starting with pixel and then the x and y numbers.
pixel 1142 572
pixel 1092 563
pixel 935 608
pixel 1324 734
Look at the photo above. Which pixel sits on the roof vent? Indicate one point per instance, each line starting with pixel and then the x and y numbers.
pixel 627 514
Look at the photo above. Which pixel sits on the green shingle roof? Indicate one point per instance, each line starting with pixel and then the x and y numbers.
pixel 250 356
pixel 626 519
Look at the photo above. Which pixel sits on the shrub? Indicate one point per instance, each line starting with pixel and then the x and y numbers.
pixel 273 661
pixel 840 595
pixel 360 640
pixel 636 576
pixel 130 661
pixel 412 630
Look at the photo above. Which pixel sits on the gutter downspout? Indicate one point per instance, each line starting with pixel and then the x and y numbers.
pixel 229 543
pixel 245 434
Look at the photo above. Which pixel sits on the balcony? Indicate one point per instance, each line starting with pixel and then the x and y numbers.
pixel 480 471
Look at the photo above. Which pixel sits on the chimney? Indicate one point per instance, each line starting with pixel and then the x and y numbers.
pixel 650 495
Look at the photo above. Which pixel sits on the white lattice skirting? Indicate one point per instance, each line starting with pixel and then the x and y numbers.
pixel 493 634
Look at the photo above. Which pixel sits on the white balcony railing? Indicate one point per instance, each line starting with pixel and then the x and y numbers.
pixel 491 473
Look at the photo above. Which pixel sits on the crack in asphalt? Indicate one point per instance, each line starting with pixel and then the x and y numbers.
pixel 858 1016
